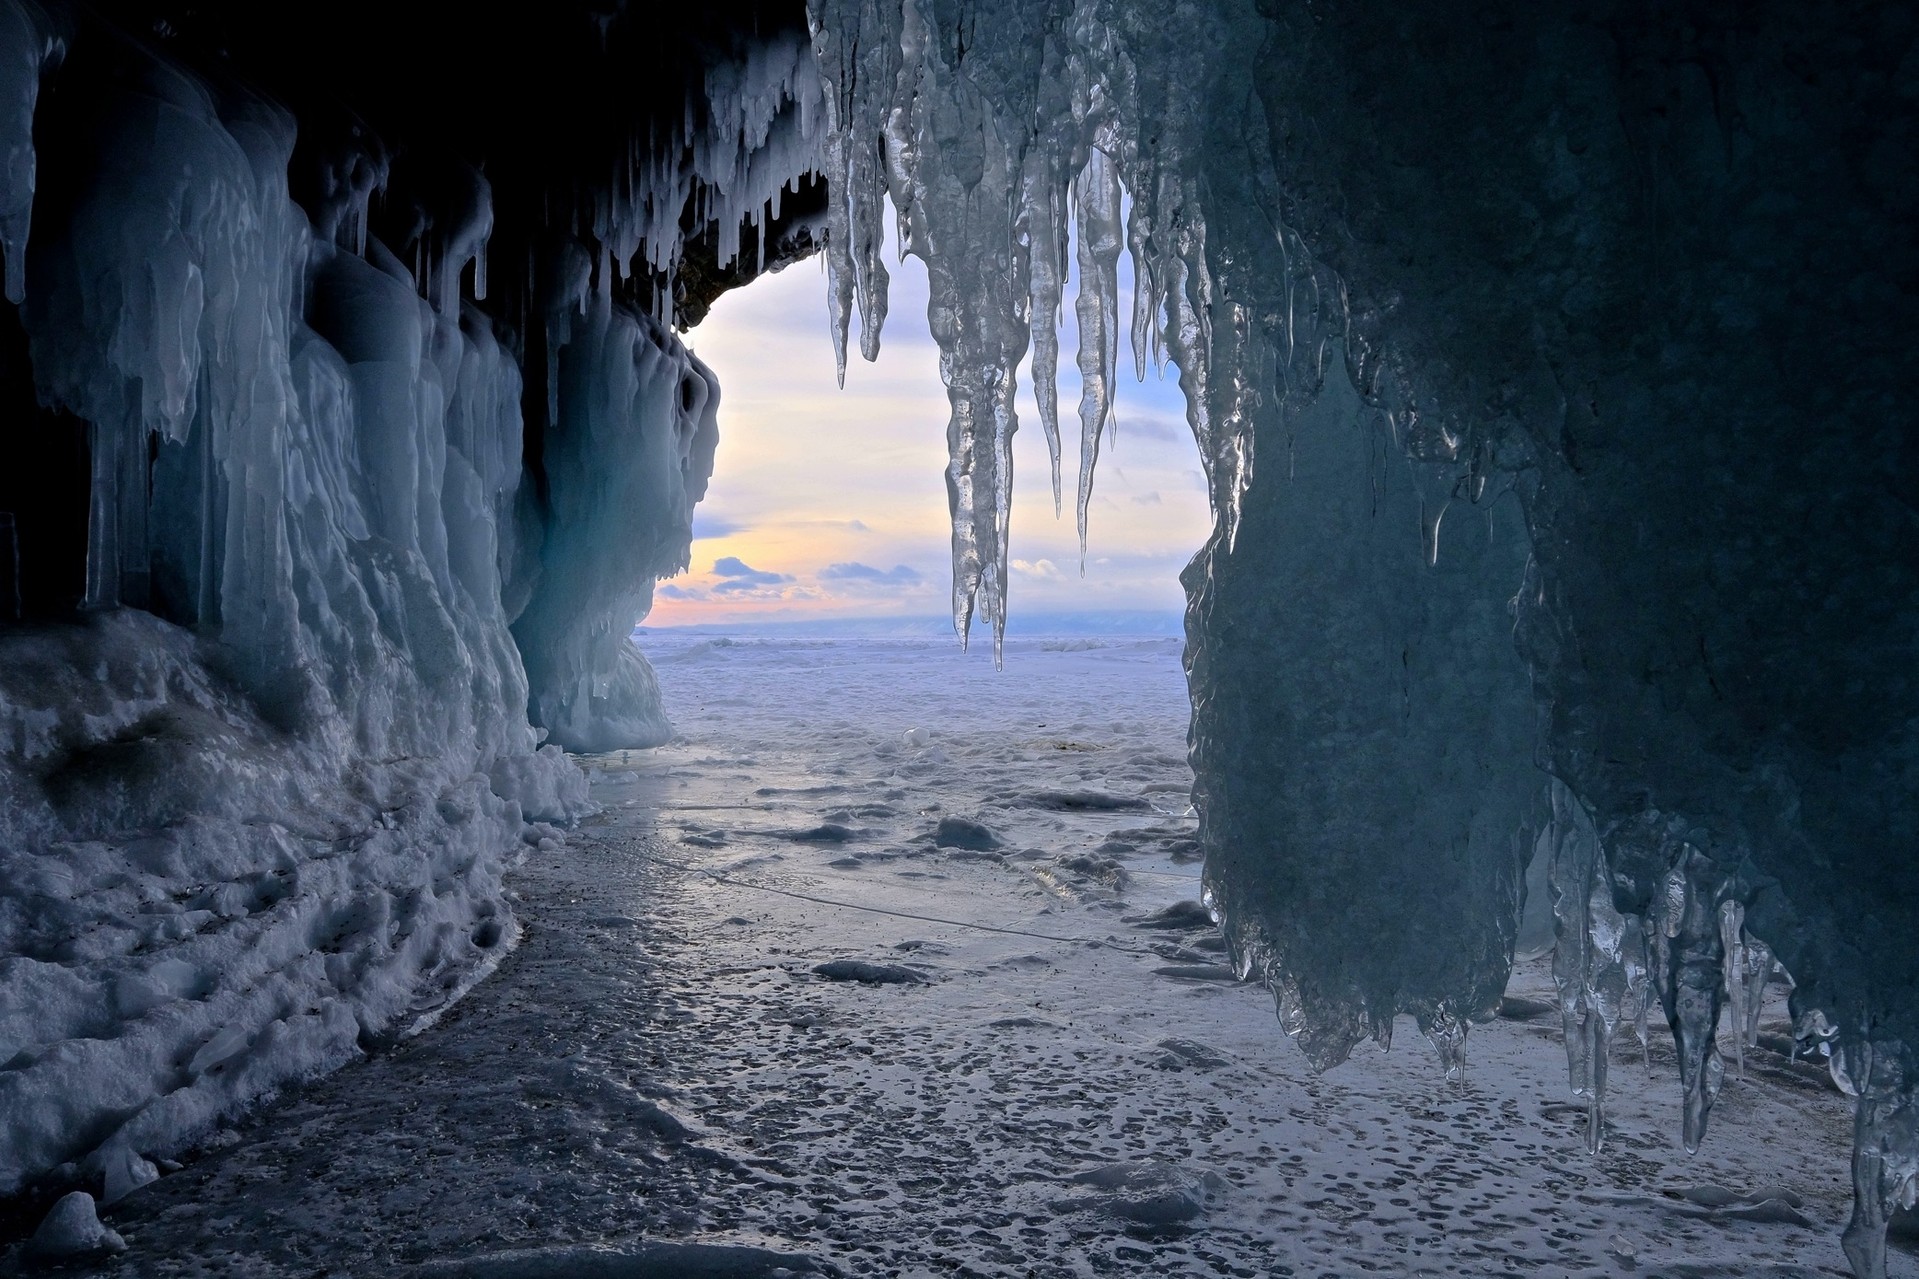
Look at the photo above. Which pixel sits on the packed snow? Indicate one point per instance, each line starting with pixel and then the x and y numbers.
pixel 904 971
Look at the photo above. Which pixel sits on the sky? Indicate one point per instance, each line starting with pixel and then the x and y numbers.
pixel 828 503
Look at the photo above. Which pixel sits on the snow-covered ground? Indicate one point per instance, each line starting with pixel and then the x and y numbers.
pixel 1057 1076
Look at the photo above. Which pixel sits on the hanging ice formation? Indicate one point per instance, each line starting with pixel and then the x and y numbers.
pixel 1531 340
pixel 986 160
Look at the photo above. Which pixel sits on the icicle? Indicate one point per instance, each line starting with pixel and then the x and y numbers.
pixel 858 51
pixel 1097 199
pixel 1638 1003
pixel 1688 978
pixel 1589 967
pixel 1885 1149
pixel 1045 228
pixel 1447 1033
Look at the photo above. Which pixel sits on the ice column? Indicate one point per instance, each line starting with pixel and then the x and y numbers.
pixel 1748 967
pixel 1688 959
pixel 30 43
pixel 1885 1150
pixel 628 455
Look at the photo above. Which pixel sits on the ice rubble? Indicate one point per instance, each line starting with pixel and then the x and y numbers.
pixel 1591 321
pixel 256 802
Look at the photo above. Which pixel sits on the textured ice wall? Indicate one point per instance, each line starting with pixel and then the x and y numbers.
pixel 1363 737
pixel 1648 275
pixel 1666 284
pixel 627 455
pixel 236 858
pixel 256 800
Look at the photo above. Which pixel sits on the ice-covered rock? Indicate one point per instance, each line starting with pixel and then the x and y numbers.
pixel 625 459
pixel 72 1229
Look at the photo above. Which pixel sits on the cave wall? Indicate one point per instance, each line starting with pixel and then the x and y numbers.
pixel 1636 284
pixel 346 433
pixel 1652 275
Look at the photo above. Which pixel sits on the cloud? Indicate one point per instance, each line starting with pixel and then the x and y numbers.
pixel 857 526
pixel 672 592
pixel 1155 426
pixel 854 571
pixel 1045 570
pixel 742 575
pixel 706 524
pixel 1146 499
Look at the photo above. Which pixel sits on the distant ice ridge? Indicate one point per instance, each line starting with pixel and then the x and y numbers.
pixel 1703 718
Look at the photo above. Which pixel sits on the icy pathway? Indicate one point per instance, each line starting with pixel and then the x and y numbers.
pixel 658 1061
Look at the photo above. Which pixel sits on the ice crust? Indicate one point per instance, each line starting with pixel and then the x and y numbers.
pixel 1590 298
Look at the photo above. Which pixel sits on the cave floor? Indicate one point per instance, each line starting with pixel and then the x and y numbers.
pixel 658 1063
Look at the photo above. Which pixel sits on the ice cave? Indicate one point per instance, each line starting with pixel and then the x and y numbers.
pixel 1551 370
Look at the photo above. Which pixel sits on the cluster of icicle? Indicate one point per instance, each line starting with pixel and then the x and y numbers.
pixel 999 167
pixel 1691 956
pixel 760 134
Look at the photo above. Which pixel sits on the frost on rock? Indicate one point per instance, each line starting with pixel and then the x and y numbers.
pixel 352 475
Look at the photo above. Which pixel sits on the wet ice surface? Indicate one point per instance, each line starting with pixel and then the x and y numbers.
pixel 664 1062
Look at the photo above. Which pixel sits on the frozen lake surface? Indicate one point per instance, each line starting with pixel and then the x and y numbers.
pixel 1051 1073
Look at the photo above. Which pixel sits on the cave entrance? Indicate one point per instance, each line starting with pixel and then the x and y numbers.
pixel 825 510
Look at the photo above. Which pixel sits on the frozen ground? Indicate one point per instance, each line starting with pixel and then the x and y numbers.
pixel 1062 1090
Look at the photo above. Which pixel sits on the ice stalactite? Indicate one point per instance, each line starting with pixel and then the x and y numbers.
pixel 1885 1152
pixel 730 157
pixel 1601 966
pixel 1687 974
pixel 1097 206
pixel 989 134
pixel 1588 964
pixel 856 44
